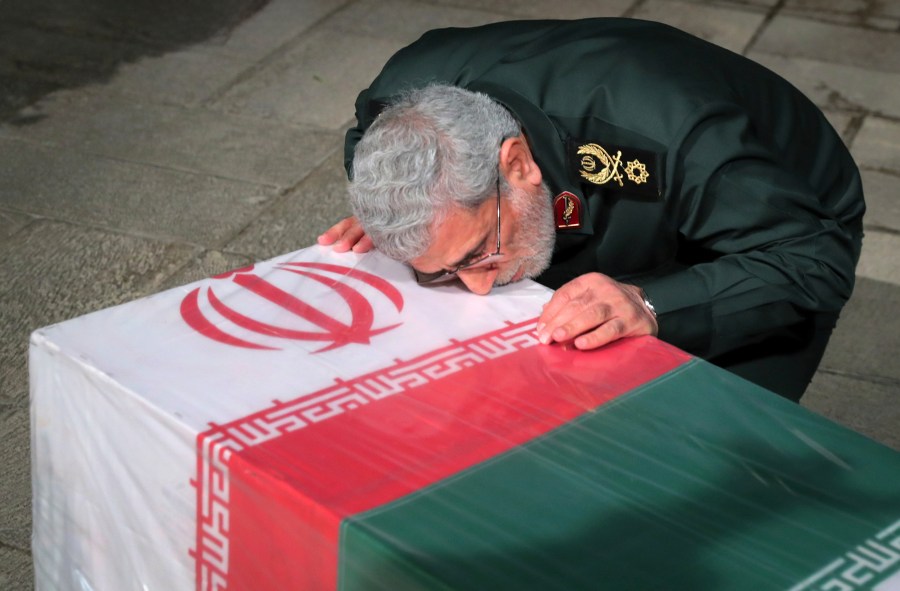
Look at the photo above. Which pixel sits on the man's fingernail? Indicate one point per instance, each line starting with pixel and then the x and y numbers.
pixel 540 327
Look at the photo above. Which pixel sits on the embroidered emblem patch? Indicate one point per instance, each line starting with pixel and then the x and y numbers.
pixel 598 166
pixel 616 167
pixel 567 210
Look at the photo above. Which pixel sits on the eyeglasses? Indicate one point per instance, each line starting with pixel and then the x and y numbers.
pixel 482 261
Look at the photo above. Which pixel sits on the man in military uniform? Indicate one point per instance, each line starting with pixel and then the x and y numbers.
pixel 661 184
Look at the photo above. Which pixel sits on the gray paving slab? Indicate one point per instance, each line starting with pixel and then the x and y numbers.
pixel 15 570
pixel 763 3
pixel 378 18
pixel 185 77
pixel 53 271
pixel 837 66
pixel 15 486
pixel 20 91
pixel 315 83
pixel 139 198
pixel 877 145
pixel 11 222
pixel 881 14
pixel 201 72
pixel 837 86
pixel 867 407
pixel 567 9
pixel 882 200
pixel 865 342
pixel 204 265
pixel 57 55
pixel 728 27
pixel 145 21
pixel 46 45
pixel 296 220
pixel 787 36
pixel 879 261
pixel 273 25
pixel 740 3
pixel 198 140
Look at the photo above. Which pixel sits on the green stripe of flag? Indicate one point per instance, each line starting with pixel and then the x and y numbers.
pixel 697 480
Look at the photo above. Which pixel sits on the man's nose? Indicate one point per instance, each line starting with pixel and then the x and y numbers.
pixel 479 281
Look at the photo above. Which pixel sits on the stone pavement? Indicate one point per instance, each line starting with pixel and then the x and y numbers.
pixel 147 144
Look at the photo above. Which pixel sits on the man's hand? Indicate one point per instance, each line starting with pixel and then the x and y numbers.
pixel 595 310
pixel 346 235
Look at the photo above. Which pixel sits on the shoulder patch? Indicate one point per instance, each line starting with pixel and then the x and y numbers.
pixel 567 211
pixel 616 168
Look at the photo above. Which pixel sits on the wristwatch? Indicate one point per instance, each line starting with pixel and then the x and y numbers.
pixel 648 303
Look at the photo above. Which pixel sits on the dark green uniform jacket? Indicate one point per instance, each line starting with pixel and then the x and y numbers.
pixel 703 177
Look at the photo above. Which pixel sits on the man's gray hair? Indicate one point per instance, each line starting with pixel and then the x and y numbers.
pixel 433 148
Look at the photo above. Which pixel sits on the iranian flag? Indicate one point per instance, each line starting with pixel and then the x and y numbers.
pixel 319 421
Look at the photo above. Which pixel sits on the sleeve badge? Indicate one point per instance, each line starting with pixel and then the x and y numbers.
pixel 616 168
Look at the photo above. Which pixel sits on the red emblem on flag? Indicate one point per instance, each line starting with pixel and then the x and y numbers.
pixel 567 210
pixel 206 313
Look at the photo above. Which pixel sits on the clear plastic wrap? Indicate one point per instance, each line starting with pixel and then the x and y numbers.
pixel 319 421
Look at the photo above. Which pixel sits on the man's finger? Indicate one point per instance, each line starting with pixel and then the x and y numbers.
pixel 560 300
pixel 348 239
pixel 327 237
pixel 364 244
pixel 346 235
pixel 563 305
pixel 334 233
pixel 577 306
pixel 602 335
pixel 581 319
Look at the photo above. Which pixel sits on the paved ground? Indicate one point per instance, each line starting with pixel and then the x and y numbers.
pixel 146 144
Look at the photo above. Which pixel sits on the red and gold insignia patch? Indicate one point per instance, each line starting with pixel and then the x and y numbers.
pixel 567 211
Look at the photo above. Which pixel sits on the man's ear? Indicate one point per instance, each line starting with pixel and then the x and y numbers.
pixel 517 164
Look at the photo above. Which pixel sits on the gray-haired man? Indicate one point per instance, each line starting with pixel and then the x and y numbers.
pixel 621 162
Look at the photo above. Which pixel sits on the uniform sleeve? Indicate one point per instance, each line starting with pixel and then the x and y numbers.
pixel 779 251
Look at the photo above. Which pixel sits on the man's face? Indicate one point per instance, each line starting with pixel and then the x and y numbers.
pixel 526 240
